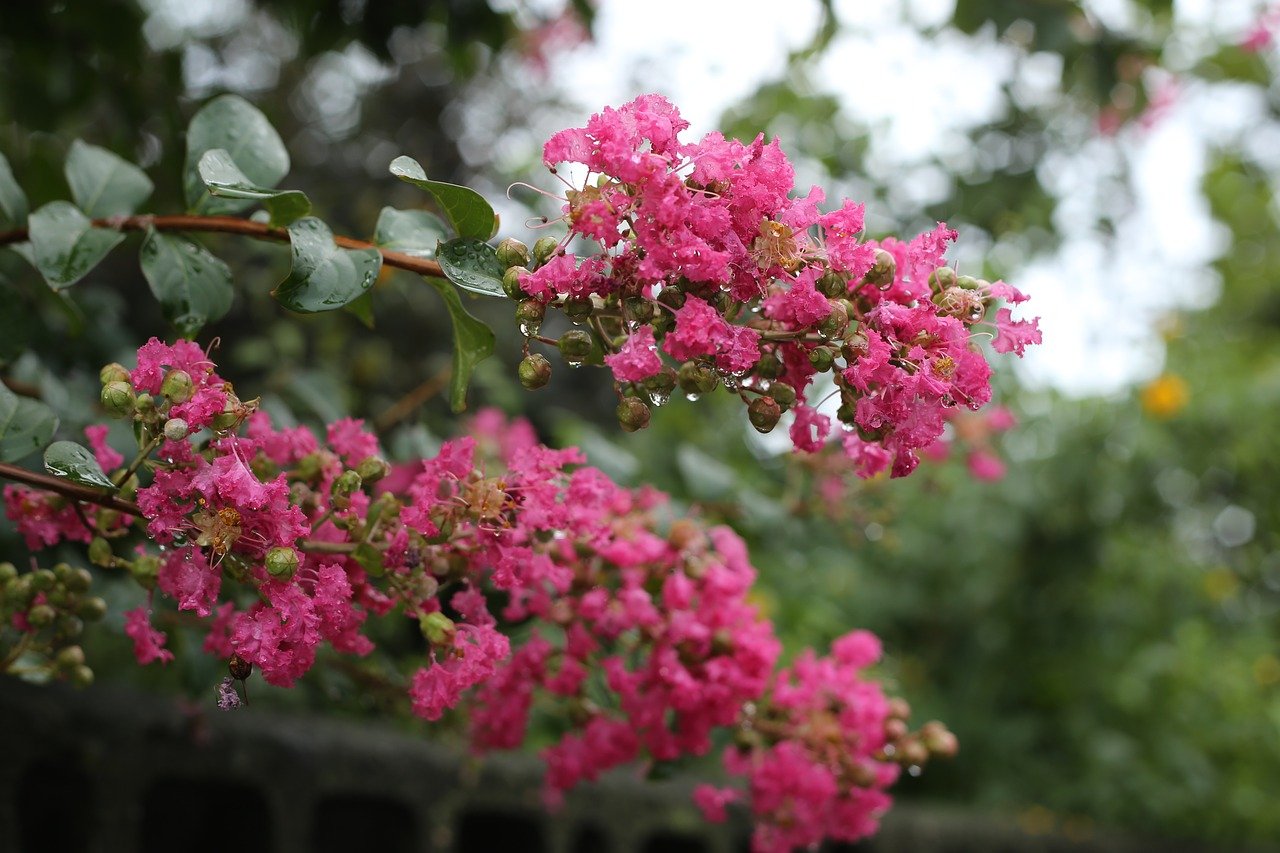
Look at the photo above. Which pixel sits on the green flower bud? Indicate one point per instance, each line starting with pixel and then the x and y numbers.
pixel 310 466
pixel 783 394
pixel 534 371
pixel 437 628
pixel 637 309
pixel 942 278
pixel 347 483
pixel 696 379
pixel 81 676
pixel 69 657
pixel 372 469
pixel 846 413
pixel 968 282
pixel 632 414
pixel 672 297
pixel 42 615
pixel 77 580
pixel 228 419
pixel 118 399
pixel 145 403
pixel 43 580
pixel 661 384
pixel 543 249
pixel 529 314
pixel 8 571
pixel 511 282
pixel 578 308
pixel 177 386
pixel 113 373
pixel 822 358
pixel 176 429
pixel 835 323
pixel 769 366
pixel 282 562
pixel 512 253
pixel 91 609
pixel 831 284
pixel 144 570
pixel 764 412
pixel 575 346
pixel 883 271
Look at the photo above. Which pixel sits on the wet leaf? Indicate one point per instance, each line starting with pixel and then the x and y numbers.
pixel 324 276
pixel 64 244
pixel 77 464
pixel 468 212
pixel 103 183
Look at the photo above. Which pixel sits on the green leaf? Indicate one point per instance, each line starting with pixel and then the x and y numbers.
pixel 26 425
pixel 362 308
pixel 411 232
pixel 473 342
pixel 104 184
pixel 324 277
pixel 13 201
pixel 77 464
pixel 468 212
pixel 472 265
pixel 224 179
pixel 192 286
pixel 64 244
pixel 233 124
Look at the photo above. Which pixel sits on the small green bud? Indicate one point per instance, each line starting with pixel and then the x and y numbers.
pixel 118 399
pixel 697 379
pixel 113 373
pixel 831 284
pixel 177 386
pixel 511 282
pixel 227 419
pixel 310 466
pixel 347 483
pixel 529 314
pixel 637 309
pixel 282 562
pixel 672 297
pixel 372 469
pixel 69 657
pixel 769 366
pixel 968 282
pixel 145 404
pixel 78 580
pixel 176 429
pixel 534 371
pixel 437 628
pixel 783 394
pixel 942 278
pixel 632 414
pixel 575 346
pixel 512 253
pixel 846 413
pixel 578 308
pixel 43 580
pixel 81 676
pixel 8 571
pixel 145 569
pixel 883 271
pixel 661 384
pixel 835 323
pixel 42 615
pixel 764 412
pixel 543 249
pixel 91 609
pixel 822 358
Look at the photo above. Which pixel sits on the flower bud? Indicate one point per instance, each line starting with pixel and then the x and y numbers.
pixel 228 418
pixel 437 628
pixel 822 358
pixel 511 282
pixel 144 570
pixel 69 627
pixel 42 615
pixel 348 482
pixel 968 282
pixel 661 384
pixel 76 579
pixel 91 609
pixel 81 676
pixel 836 323
pixel 783 394
pixel 534 371
pixel 895 729
pixel 543 249
pixel 769 366
pixel 113 373
pixel 696 379
pixel 8 571
pixel 637 309
pixel 899 708
pixel 577 308
pixel 176 429
pixel 282 562
pixel 939 740
pixel 575 346
pixel 529 314
pixel 672 298
pixel 846 413
pixel 310 466
pixel 69 658
pixel 43 580
pixel 239 668
pixel 512 253
pixel 883 271
pixel 145 403
pixel 764 413
pixel 372 469
pixel 831 284
pixel 912 752
pixel 942 278
pixel 177 386
pixel 632 414
pixel 118 399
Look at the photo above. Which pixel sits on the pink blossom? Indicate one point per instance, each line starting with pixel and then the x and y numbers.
pixel 148 643
pixel 638 358
pixel 107 458
pixel 1014 335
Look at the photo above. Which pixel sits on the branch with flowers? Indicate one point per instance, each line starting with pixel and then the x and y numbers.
pixel 535 581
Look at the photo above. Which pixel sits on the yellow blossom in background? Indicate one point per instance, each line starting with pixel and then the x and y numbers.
pixel 1165 396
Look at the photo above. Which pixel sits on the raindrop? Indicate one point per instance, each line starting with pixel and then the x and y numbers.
pixel 658 398
pixel 914 770
pixel 692 396
pixel 529 329
pixel 574 361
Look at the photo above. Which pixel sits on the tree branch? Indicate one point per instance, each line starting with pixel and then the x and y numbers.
pixel 243 227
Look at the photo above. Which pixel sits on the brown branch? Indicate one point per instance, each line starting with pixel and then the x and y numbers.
pixel 404 407
pixel 243 227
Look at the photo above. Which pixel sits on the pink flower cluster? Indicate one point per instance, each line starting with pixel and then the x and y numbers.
pixel 704 257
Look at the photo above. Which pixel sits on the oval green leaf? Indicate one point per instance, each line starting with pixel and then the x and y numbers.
pixel 192 286
pixel 64 244
pixel 466 209
pixel 224 179
pixel 233 124
pixel 13 201
pixel 472 265
pixel 473 342
pixel 77 464
pixel 26 425
pixel 411 232
pixel 104 184
pixel 324 276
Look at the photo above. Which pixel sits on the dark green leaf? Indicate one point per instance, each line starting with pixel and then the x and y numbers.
pixel 26 425
pixel 76 463
pixel 64 244
pixel 472 265
pixel 104 184
pixel 473 342
pixel 13 201
pixel 467 210
pixel 224 179
pixel 412 232
pixel 192 286
pixel 324 277
pixel 237 126
pixel 369 558
pixel 362 308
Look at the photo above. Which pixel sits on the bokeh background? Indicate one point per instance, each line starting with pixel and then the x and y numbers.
pixel 1099 626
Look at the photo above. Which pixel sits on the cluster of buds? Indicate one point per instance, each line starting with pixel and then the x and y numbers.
pixel 708 273
pixel 42 614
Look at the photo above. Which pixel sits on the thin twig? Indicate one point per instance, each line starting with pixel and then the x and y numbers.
pixel 404 407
